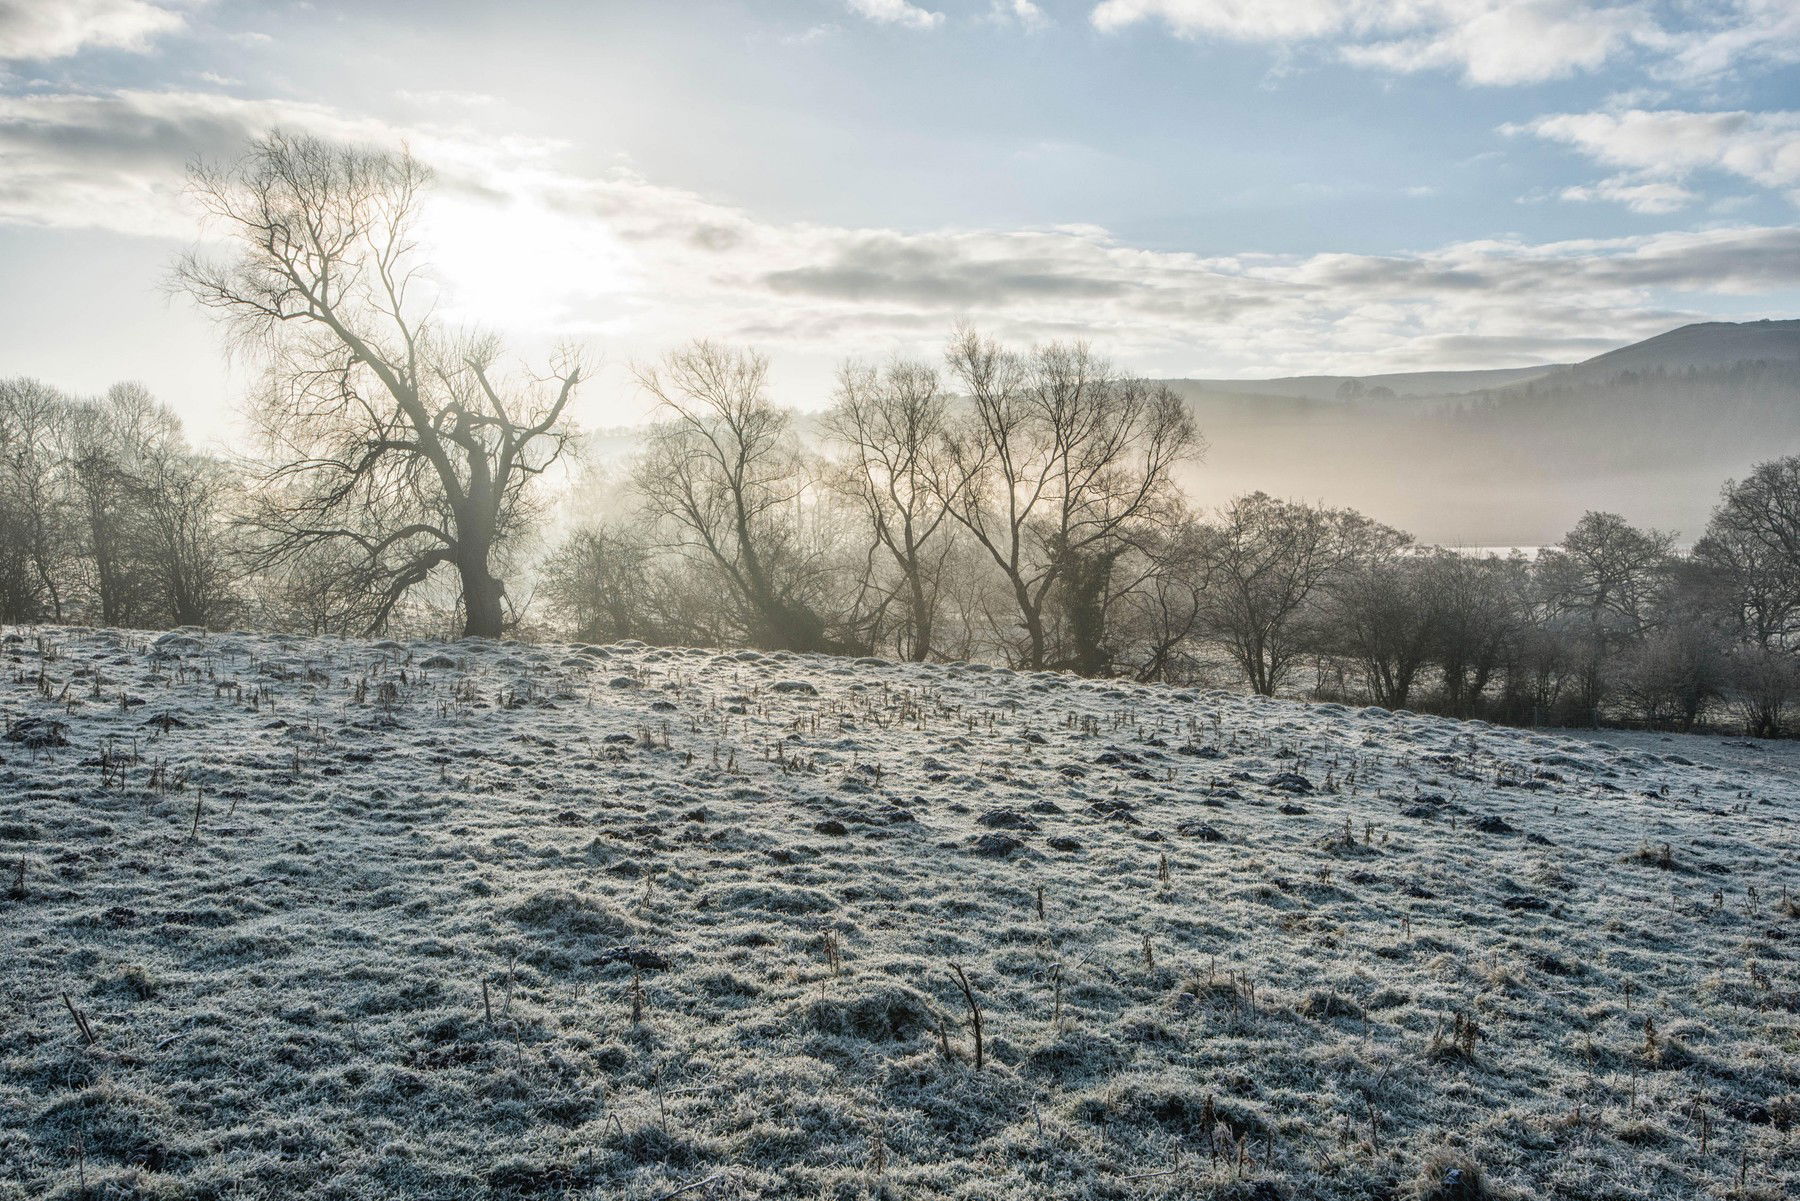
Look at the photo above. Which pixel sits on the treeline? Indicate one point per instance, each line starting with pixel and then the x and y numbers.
pixel 1015 505
pixel 108 515
pixel 1009 506
pixel 1629 418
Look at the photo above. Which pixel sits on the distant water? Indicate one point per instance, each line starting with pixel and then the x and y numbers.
pixel 1481 552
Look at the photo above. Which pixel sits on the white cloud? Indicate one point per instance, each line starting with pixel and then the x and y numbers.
pixel 1247 20
pixel 114 160
pixel 1740 32
pixel 1640 196
pixel 1489 41
pixel 529 246
pixel 441 98
pixel 48 29
pixel 1509 43
pixel 897 12
pixel 1662 147
pixel 812 33
pixel 1024 13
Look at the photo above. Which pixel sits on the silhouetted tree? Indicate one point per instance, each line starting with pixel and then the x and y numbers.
pixel 1267 560
pixel 1162 615
pixel 389 436
pixel 724 475
pixel 36 533
pixel 1383 610
pixel 1603 582
pixel 1481 603
pixel 1751 549
pixel 890 424
pixel 1059 462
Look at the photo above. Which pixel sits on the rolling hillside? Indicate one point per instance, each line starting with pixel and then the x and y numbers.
pixel 1650 430
pixel 309 917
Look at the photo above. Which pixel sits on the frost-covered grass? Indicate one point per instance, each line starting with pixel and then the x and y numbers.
pixel 478 920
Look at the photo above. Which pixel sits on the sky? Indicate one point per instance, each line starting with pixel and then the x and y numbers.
pixel 1235 188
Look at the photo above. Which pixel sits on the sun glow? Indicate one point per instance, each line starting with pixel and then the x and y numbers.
pixel 512 262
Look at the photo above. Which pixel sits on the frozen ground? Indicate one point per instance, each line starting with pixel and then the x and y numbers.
pixel 483 920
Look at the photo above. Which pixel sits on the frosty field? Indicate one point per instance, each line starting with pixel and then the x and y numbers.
pixel 292 917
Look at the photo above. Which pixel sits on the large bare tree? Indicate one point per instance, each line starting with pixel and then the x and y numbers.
pixel 391 437
pixel 1057 464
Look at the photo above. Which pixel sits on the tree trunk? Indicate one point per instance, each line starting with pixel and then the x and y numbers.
pixel 188 610
pixel 921 618
pixel 1085 585
pixel 1034 631
pixel 484 609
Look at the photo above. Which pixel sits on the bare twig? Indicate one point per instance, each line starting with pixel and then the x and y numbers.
pixel 962 982
pixel 81 1022
pixel 692 1185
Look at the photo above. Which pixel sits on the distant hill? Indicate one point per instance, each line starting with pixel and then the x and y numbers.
pixel 1704 344
pixel 1400 384
pixel 1708 344
pixel 1507 457
pixel 1515 456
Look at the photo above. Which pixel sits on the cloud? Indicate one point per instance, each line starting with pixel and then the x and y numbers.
pixel 943 271
pixel 1024 13
pixel 48 29
pixel 896 12
pixel 440 98
pixel 1490 42
pixel 529 246
pixel 1637 195
pixel 115 160
pixel 1746 31
pixel 1510 43
pixel 812 33
pixel 1250 20
pixel 1670 145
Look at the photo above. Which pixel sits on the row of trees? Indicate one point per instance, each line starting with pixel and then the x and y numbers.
pixel 1016 505
pixel 1043 474
pixel 879 539
pixel 107 514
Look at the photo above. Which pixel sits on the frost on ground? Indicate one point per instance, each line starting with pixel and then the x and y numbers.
pixel 332 918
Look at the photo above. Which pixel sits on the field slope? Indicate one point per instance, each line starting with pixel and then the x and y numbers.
pixel 375 919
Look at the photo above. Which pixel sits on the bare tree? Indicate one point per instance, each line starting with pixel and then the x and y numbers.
pixel 103 441
pixel 1761 684
pixel 185 502
pixel 1751 550
pixel 1164 612
pixel 390 435
pixel 1384 611
pixel 1604 581
pixel 608 581
pixel 1480 613
pixel 1672 674
pixel 724 475
pixel 34 514
pixel 1057 466
pixel 130 474
pixel 1267 560
pixel 890 424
